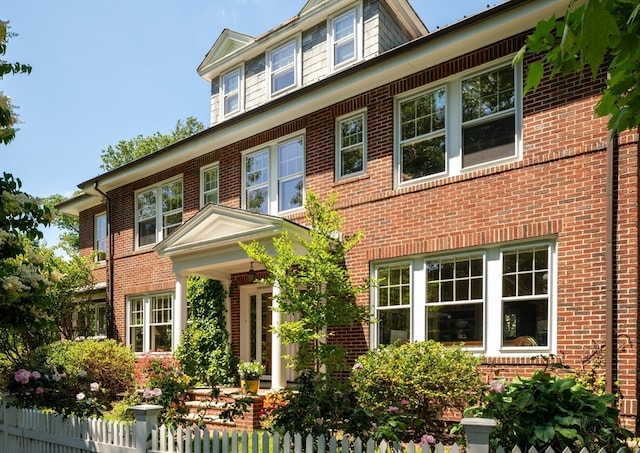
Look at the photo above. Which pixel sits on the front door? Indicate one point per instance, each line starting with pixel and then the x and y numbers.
pixel 255 314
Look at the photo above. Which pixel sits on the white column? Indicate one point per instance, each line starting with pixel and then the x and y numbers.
pixel 179 309
pixel 278 376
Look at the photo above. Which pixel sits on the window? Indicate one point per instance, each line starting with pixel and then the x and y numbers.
pixel 159 212
pixel 272 190
pixel 351 146
pixel 498 300
pixel 345 38
pixel 468 121
pixel 150 322
pixel 100 237
pixel 209 179
pixel 231 92
pixel 90 320
pixel 283 67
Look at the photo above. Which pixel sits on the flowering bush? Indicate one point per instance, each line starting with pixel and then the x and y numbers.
pixel 58 391
pixel 273 401
pixel 550 411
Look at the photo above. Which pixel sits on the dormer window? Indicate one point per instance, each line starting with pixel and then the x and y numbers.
pixel 231 88
pixel 345 38
pixel 283 68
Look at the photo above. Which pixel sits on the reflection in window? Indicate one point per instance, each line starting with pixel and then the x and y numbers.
pixel 351 146
pixel 393 304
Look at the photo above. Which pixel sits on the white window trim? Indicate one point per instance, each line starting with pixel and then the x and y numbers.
pixel 203 170
pixel 339 120
pixel 273 172
pixel 359 38
pixel 97 239
pixel 146 323
pixel 240 71
pixel 493 297
pixel 297 67
pixel 453 121
pixel 159 229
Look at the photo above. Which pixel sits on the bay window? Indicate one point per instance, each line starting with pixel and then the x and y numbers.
pixel 497 300
pixel 158 212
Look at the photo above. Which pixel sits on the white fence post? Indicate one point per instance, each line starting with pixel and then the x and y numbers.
pixel 146 419
pixel 478 431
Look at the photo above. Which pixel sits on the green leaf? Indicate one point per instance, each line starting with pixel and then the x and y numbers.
pixel 534 75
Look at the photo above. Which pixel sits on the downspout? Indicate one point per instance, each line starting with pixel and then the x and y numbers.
pixel 110 310
pixel 610 264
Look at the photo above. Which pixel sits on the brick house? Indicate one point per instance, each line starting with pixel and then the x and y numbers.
pixel 508 223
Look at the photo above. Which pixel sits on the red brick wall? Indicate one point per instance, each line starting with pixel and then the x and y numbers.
pixel 558 189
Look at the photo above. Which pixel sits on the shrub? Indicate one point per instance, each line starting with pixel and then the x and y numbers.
pixel 410 385
pixel 205 350
pixel 551 411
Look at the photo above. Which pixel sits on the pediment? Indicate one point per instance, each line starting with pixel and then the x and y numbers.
pixel 216 226
pixel 310 5
pixel 227 43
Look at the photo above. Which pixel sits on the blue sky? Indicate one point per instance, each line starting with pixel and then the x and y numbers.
pixel 108 70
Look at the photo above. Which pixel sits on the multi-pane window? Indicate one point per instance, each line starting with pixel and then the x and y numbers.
pixel 100 237
pixel 344 38
pixel 210 178
pixel 422 135
pixel 150 322
pixel 497 299
pixel 393 308
pixel 465 122
pixel 351 146
pixel 159 212
pixel 455 299
pixel 525 295
pixel 282 67
pixel 231 92
pixel 281 188
pixel 488 117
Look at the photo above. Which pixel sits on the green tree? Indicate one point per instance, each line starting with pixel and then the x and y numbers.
pixel 129 150
pixel 8 117
pixel 315 288
pixel 69 225
pixel 592 34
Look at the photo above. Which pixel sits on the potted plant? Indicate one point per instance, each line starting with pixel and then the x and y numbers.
pixel 250 373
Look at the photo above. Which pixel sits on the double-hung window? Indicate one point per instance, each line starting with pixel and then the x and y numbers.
pixel 345 38
pixel 210 182
pixel 231 92
pixel 274 177
pixel 284 67
pixel 465 122
pixel 497 299
pixel 351 135
pixel 150 322
pixel 100 236
pixel 158 212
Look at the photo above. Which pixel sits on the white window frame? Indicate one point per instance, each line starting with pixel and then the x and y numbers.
pixel 239 92
pixel 100 237
pixel 340 150
pixel 274 180
pixel 213 191
pixel 158 214
pixel 454 124
pixel 295 65
pixel 493 298
pixel 148 323
pixel 356 37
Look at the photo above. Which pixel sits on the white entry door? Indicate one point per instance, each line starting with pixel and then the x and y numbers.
pixel 255 325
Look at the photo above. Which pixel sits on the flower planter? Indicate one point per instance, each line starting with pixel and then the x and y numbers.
pixel 249 386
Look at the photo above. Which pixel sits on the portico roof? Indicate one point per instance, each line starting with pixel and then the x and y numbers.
pixel 208 243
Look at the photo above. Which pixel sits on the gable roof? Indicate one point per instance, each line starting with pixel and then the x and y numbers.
pixel 227 43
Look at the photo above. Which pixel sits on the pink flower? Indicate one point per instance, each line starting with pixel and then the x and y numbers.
pixel 392 409
pixel 22 376
pixel 150 393
pixel 94 386
pixel 80 396
pixel 496 387
pixel 319 421
pixel 427 439
pixel 36 374
pixel 357 366
pixel 39 390
pixel 404 402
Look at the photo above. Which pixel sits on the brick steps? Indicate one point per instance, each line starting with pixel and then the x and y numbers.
pixel 204 408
